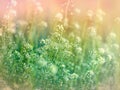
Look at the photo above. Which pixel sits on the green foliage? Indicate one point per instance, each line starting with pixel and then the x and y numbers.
pixel 59 62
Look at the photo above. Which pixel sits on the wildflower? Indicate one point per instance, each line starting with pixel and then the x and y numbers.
pixel 43 41
pixel 90 72
pixel 59 16
pixel 77 26
pixel 77 10
pixel 78 39
pixel 22 22
pixel 53 69
pixel 94 62
pixel 63 65
pixel 28 46
pixel 6 17
pixel 90 14
pixel 38 6
pixel 42 62
pixel 100 14
pixel 44 24
pixel 117 20
pixel 40 9
pixel 74 76
pixel 112 35
pixel 101 60
pixel 14 2
pixel 110 57
pixel 79 50
pixel 12 28
pixel 60 28
pixel 92 31
pixel 12 12
pixel 101 50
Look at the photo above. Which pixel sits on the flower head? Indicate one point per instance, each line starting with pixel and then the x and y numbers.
pixel 53 69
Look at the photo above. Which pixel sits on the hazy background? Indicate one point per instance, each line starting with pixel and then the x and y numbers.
pixel 24 6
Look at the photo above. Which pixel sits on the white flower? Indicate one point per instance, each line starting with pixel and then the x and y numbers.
pixel 59 16
pixel 12 28
pixel 6 17
pixel 101 60
pixel 74 76
pixel 44 24
pixel 110 57
pixel 63 65
pixel 60 28
pixel 90 72
pixel 53 69
pixel 90 13
pixel 77 26
pixel 92 30
pixel 79 49
pixel 117 20
pixel 12 12
pixel 22 22
pixel 94 62
pixel 42 62
pixel 101 50
pixel 77 10
pixel 100 14
pixel 78 39
pixel 39 8
pixel 112 35
pixel 14 2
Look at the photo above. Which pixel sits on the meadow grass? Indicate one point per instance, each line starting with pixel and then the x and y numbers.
pixel 65 53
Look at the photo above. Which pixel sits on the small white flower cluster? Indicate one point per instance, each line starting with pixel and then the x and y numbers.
pixel 77 10
pixel 101 50
pixel 42 62
pixel 90 73
pixel 22 22
pixel 117 20
pixel 53 69
pixel 112 35
pixel 14 3
pixel 92 30
pixel 44 24
pixel 59 16
pixel 12 28
pixel 101 60
pixel 38 6
pixel 74 76
pixel 90 14
pixel 10 16
pixel 77 26
pixel 100 15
